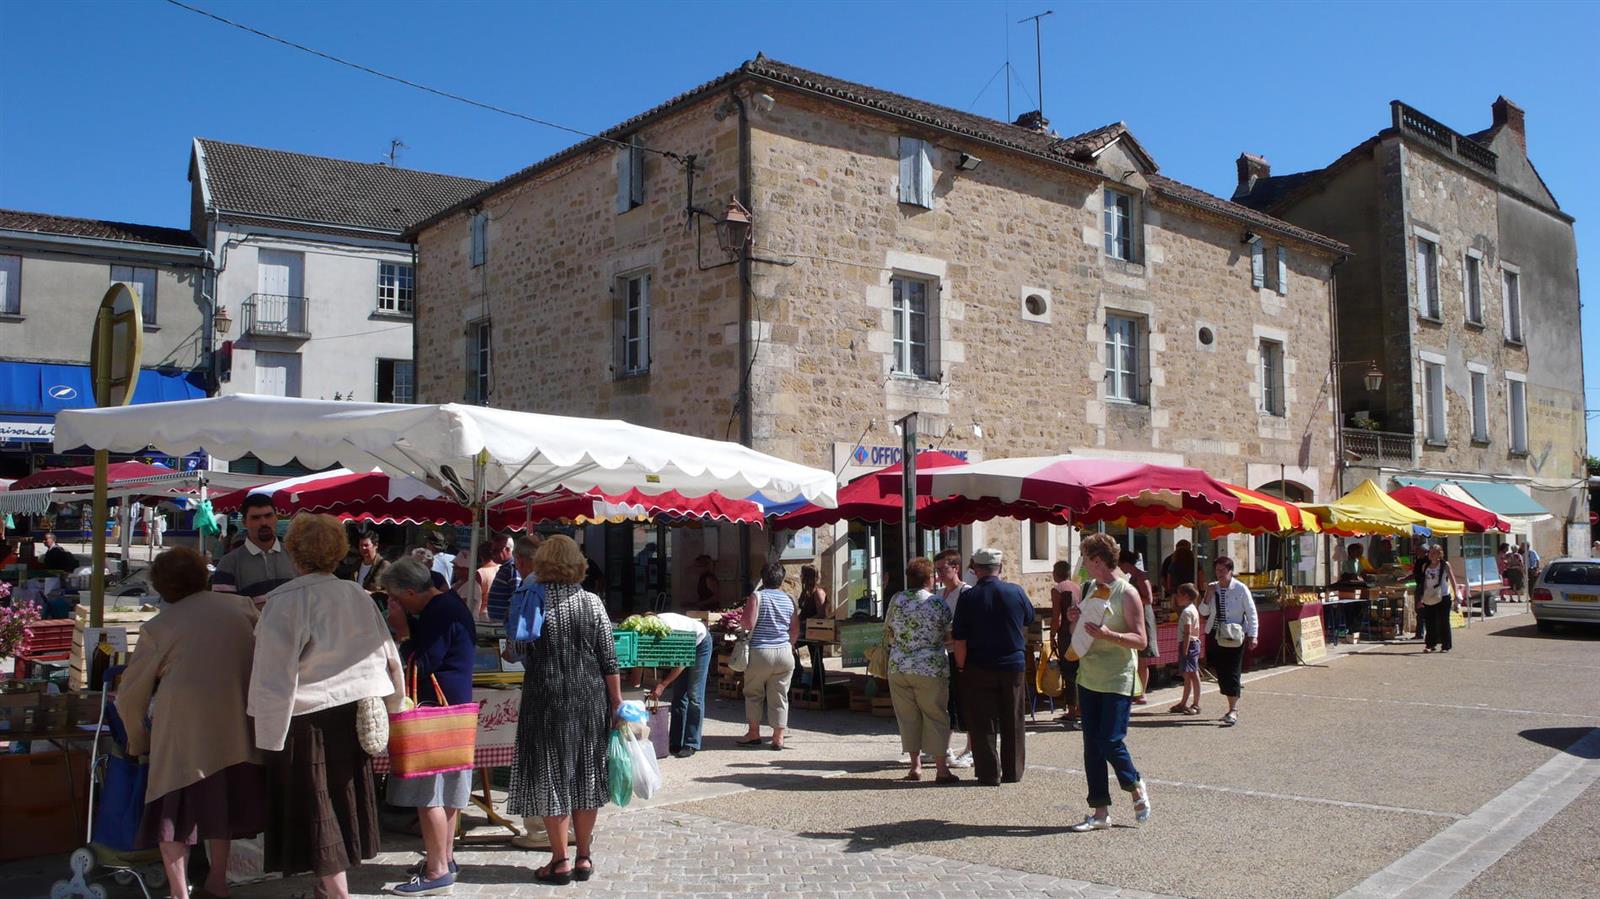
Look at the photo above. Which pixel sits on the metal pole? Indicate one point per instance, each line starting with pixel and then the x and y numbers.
pixel 102 459
pixel 908 487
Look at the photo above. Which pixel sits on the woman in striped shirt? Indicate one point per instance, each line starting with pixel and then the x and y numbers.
pixel 766 678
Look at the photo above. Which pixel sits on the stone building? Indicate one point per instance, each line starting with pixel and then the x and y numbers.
pixel 1023 293
pixel 54 271
pixel 1463 290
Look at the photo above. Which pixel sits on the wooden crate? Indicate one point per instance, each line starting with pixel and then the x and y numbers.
pixel 731 687
pixel 832 696
pixel 882 705
pixel 860 702
pixel 129 619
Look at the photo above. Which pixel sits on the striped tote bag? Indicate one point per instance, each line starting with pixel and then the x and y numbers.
pixel 432 739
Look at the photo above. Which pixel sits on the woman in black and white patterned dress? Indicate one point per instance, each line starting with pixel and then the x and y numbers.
pixel 570 695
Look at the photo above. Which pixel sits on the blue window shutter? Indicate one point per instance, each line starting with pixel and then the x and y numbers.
pixel 1283 270
pixel 924 175
pixel 910 149
pixel 1258 265
pixel 624 165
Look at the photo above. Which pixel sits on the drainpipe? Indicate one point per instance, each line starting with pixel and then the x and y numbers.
pixel 746 430
pixel 1337 397
pixel 416 311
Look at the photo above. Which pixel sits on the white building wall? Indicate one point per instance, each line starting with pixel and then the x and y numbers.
pixel 348 335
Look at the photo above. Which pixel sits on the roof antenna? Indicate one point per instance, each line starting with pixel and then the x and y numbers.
pixel 1038 54
pixel 1008 66
pixel 393 156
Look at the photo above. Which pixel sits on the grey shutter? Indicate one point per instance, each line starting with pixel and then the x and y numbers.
pixel 624 163
pixel 924 175
pixel 1258 265
pixel 646 326
pixel 636 171
pixel 1283 270
pixel 909 167
pixel 619 327
pixel 480 238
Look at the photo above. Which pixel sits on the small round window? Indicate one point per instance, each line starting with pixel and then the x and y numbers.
pixel 1206 337
pixel 1036 304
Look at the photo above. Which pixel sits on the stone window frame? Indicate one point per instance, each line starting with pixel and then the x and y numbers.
pixel 1434 311
pixel 1029 562
pixel 1469 278
pixel 1134 227
pixel 1441 438
pixel 1511 296
pixel 1520 379
pixel 1141 356
pixel 1272 382
pixel 1478 376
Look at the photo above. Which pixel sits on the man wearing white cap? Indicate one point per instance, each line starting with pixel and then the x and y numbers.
pixel 989 637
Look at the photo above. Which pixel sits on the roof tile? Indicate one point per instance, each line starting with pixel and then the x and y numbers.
pixel 97 229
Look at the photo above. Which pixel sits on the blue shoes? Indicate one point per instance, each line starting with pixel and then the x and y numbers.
pixel 417 886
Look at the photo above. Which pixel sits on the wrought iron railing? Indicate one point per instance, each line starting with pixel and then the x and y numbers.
pixel 276 315
pixel 1378 447
pixel 1417 124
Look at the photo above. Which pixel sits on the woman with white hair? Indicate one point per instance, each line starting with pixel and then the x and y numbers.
pixel 1436 591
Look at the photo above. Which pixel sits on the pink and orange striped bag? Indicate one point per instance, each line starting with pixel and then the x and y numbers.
pixel 434 739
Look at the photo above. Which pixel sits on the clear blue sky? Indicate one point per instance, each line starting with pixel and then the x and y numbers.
pixel 99 100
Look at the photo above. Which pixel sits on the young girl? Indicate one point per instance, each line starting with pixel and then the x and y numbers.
pixel 1189 649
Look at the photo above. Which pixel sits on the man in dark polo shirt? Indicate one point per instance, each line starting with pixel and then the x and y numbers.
pixel 989 634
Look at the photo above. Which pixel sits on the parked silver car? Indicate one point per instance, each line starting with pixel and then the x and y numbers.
pixel 1568 591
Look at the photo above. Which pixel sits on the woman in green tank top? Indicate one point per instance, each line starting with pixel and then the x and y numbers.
pixel 1112 614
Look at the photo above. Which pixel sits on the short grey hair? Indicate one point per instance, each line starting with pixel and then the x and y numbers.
pixel 406 574
pixel 525 547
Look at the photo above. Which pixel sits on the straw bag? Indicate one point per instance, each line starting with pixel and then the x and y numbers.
pixel 372 725
pixel 432 739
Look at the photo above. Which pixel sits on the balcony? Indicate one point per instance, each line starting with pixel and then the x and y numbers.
pixel 276 315
pixel 1461 147
pixel 1380 447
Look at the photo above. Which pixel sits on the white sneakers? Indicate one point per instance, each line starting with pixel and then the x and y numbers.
pixel 1090 822
pixel 964 760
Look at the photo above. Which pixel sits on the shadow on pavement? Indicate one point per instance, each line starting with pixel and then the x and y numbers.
pixel 1192 721
pixel 1570 631
pixel 812 783
pixel 1565 739
pixel 870 837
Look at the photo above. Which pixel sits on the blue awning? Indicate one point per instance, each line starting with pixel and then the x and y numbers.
pixel 1503 499
pixel 43 388
pixel 1424 483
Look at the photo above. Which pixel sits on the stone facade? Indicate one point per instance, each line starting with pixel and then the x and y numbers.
pixel 1012 255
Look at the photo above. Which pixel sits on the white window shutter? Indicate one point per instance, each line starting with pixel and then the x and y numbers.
pixel 924 175
pixel 1283 270
pixel 1258 263
pixel 908 169
pixel 624 165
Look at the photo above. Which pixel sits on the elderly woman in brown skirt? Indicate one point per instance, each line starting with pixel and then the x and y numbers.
pixel 190 675
pixel 321 647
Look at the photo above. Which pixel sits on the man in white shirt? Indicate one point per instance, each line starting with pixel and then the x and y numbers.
pixel 260 565
pixel 443 563
pixel 688 693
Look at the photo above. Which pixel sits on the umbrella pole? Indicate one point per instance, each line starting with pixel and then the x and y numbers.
pixel 97 527
pixel 479 512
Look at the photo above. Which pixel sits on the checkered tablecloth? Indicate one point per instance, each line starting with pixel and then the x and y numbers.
pixel 497 729
pixel 484 757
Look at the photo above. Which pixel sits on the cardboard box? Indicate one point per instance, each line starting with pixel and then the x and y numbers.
pixel 823 629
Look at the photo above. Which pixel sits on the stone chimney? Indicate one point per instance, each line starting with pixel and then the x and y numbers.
pixel 1510 114
pixel 1252 168
pixel 1033 121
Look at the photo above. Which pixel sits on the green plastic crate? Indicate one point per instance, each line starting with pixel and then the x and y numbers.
pixel 627 648
pixel 675 650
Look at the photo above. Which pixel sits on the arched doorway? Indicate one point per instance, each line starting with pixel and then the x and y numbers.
pixel 1272 552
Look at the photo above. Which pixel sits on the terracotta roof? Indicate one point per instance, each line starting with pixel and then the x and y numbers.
pixel 97 229
pixel 1273 193
pixel 1075 152
pixel 324 191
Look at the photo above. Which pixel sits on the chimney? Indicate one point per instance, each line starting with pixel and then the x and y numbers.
pixel 1033 121
pixel 1252 168
pixel 1510 114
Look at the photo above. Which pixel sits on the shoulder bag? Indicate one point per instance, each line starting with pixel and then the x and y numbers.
pixel 432 739
pixel 740 659
pixel 878 654
pixel 1229 634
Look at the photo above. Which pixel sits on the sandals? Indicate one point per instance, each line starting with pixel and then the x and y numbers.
pixel 1230 719
pixel 756 742
pixel 580 872
pixel 1178 709
pixel 913 777
pixel 1090 822
pixel 549 874
pixel 1192 710
pixel 1141 806
pixel 947 779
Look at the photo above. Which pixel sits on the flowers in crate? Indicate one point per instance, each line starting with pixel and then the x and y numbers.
pixel 731 622
pixel 14 621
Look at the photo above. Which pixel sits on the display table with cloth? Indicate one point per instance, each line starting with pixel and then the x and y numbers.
pixel 496 746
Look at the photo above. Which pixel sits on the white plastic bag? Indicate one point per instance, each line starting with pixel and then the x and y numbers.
pixel 646 773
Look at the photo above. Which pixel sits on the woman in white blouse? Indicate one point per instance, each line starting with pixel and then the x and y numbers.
pixel 1230 611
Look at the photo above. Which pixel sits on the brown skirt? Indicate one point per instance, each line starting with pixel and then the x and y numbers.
pixel 229 805
pixel 325 810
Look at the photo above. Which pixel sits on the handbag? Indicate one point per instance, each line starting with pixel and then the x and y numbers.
pixel 432 739
pixel 372 725
pixel 1230 635
pixel 739 660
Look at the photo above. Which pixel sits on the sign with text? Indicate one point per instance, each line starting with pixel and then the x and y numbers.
pixel 854 459
pixel 1306 633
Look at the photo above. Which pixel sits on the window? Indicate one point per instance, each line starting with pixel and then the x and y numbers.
pixel 912 317
pixel 1272 377
pixel 396 288
pixel 632 324
pixel 916 172
pixel 1039 542
pixel 1480 404
pixel 142 281
pixel 397 381
pixel 480 238
pixel 1517 408
pixel 479 362
pixel 1433 425
pixel 1513 297
pixel 1428 278
pixel 1472 288
pixel 630 175
pixel 1119 225
pixel 1124 368
pixel 10 285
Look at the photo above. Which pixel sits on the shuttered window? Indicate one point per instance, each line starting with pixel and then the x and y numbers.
pixel 10 285
pixel 1428 278
pixel 1472 288
pixel 1283 271
pixel 480 360
pixel 142 281
pixel 630 175
pixel 1119 225
pixel 1513 310
pixel 1258 263
pixel 916 172
pixel 1272 377
pixel 631 324
pixel 1517 408
pixel 480 238
pixel 1433 425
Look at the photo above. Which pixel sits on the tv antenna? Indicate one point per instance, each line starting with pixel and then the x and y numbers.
pixel 1038 54
pixel 393 156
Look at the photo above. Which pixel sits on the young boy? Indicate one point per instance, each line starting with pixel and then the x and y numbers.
pixel 1189 649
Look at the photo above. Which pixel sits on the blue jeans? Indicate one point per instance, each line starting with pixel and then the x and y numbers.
pixel 1105 727
pixel 689 701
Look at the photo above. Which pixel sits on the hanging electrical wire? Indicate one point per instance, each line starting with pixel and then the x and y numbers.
pixel 421 87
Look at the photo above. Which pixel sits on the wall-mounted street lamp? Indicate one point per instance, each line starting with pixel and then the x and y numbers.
pixel 734 229
pixel 221 321
pixel 1373 378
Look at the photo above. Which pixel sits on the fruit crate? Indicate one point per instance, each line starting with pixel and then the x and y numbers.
pixel 627 648
pixel 674 650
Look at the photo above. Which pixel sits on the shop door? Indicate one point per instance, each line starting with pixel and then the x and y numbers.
pixel 859 592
